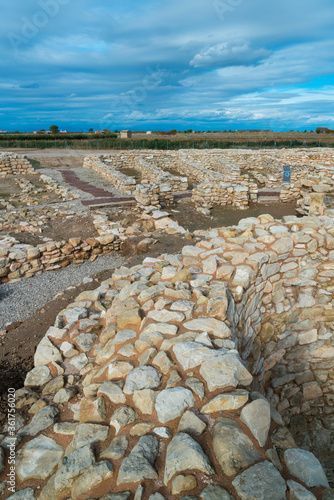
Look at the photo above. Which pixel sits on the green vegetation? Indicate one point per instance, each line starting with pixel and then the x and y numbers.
pixel 54 129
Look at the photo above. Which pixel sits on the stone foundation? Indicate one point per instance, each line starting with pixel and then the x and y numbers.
pixel 14 164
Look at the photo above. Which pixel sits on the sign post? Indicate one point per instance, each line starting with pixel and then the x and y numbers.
pixel 286 174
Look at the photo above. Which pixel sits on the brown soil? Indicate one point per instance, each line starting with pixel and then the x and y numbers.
pixel 187 216
pixel 9 187
pixel 61 228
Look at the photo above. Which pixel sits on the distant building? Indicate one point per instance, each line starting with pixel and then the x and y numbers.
pixel 63 132
pixel 99 132
pixel 126 134
pixel 41 132
pixel 148 132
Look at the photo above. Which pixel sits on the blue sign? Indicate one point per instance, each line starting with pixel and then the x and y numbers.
pixel 286 174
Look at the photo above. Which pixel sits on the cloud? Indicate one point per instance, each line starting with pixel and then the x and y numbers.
pixel 229 54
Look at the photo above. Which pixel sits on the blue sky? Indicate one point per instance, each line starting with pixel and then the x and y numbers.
pixel 157 65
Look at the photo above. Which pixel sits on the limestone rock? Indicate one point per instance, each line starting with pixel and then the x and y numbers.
pixel 38 459
pixel 183 453
pixel 261 481
pixel 171 403
pixel 117 448
pixel 226 401
pixel 26 494
pixel 92 410
pixel 139 464
pixel 122 417
pixel 211 325
pixel 72 466
pixel 224 370
pixel 113 392
pixel 298 492
pixel 145 400
pixel 143 377
pixel 233 449
pixel 183 483
pixel 306 467
pixel 119 369
pixel 91 477
pixel 256 416
pixel 89 434
pixel 64 395
pixel 46 353
pixel 43 419
pixel 37 377
pixel 191 424
pixel 215 492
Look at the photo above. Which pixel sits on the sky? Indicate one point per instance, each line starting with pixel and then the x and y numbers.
pixel 158 65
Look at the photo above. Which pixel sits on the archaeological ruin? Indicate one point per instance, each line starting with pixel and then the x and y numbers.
pixel 205 373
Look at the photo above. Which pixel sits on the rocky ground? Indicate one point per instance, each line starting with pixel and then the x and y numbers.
pixel 138 390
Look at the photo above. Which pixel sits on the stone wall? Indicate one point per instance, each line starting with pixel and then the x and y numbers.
pixel 157 378
pixel 124 183
pixel 22 261
pixel 14 164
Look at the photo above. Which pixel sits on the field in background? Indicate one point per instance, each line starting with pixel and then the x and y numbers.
pixel 140 140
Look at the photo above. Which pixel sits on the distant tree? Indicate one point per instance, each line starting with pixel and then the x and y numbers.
pixel 42 129
pixel 116 131
pixel 90 130
pixel 188 131
pixel 107 131
pixel 54 129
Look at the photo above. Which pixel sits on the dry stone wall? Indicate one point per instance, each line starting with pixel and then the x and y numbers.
pixel 153 386
pixel 14 164
pixel 19 260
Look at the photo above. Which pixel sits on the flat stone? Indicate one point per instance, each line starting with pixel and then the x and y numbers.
pixel 143 377
pixel 86 341
pixel 144 400
pixel 65 428
pixel 163 362
pixel 164 328
pixel 226 401
pixel 171 403
pixel 191 423
pixel 256 416
pixel 261 482
pixel 119 369
pixel 26 494
pixel 183 453
pixel 92 476
pixel 210 325
pixel 42 420
pixel 139 464
pixel 64 395
pixel 224 370
pixel 282 245
pixel 72 466
pixel 89 434
pixel 92 410
pixel 124 495
pixel 141 429
pixel 298 492
pixel 46 353
pixel 306 467
pixel 183 483
pixel 79 362
pixel 124 336
pixel 38 459
pixel 37 377
pixel 74 314
pixel 166 316
pixel 129 317
pixel 163 432
pixel 116 449
pixel 122 417
pixel 215 492
pixel 191 354
pixel 196 385
pixel 232 447
pixel 54 385
pixel 113 392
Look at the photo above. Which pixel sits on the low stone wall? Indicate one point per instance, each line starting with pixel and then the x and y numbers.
pixel 124 183
pixel 14 164
pixel 23 261
pixel 320 180
pixel 220 193
pixel 153 174
pixel 154 194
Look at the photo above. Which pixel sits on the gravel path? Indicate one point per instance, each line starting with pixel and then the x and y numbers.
pixel 20 300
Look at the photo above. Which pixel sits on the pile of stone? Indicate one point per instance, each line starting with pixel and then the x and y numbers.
pixel 153 386
pixel 14 164
pixel 153 174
